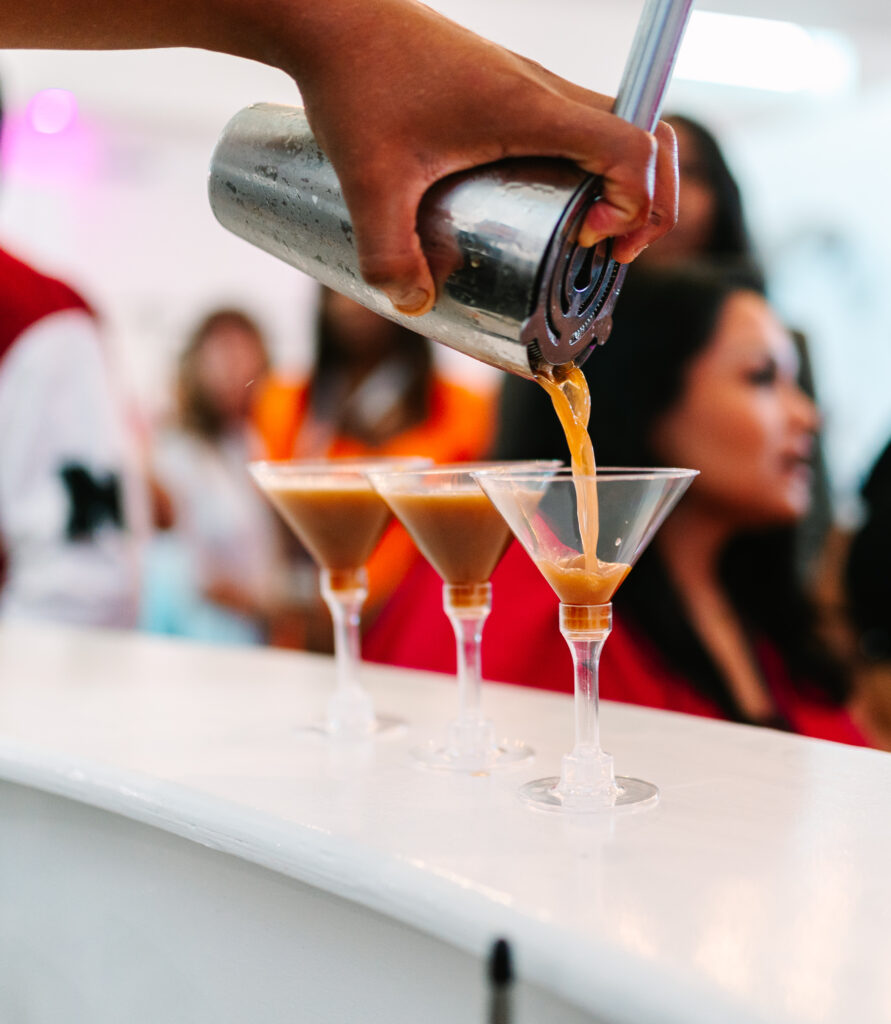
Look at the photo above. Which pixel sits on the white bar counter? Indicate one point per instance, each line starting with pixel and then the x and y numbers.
pixel 173 848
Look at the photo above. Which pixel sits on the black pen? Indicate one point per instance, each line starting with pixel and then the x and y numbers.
pixel 501 977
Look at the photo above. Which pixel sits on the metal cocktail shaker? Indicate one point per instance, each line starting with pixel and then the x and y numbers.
pixel 513 287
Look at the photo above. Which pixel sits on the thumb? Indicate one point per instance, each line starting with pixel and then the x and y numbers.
pixel 384 212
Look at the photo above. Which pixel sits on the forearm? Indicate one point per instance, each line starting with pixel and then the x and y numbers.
pixel 283 33
pixel 239 27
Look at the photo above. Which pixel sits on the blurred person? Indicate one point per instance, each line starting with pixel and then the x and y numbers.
pixel 70 501
pixel 373 390
pixel 867 581
pixel 868 569
pixel 420 99
pixel 214 573
pixel 854 599
pixel 711 225
pixel 699 373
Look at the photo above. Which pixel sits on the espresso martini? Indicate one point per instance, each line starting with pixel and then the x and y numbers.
pixel 463 537
pixel 458 531
pixel 339 522
pixel 560 531
pixel 339 518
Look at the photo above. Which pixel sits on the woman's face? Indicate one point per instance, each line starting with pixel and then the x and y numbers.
pixel 230 363
pixel 361 333
pixel 743 422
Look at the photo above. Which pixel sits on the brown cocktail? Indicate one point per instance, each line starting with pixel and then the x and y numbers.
pixel 339 518
pixel 463 537
pixel 339 523
pixel 458 530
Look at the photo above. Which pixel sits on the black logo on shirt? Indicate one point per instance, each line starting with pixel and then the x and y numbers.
pixel 92 501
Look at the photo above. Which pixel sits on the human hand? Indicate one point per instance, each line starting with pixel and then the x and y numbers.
pixel 232 596
pixel 399 97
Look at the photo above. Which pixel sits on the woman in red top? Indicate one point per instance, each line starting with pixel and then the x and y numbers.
pixel 713 620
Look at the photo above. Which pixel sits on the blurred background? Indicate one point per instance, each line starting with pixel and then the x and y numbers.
pixel 105 157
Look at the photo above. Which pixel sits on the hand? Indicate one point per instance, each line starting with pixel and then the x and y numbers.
pixel 233 597
pixel 399 97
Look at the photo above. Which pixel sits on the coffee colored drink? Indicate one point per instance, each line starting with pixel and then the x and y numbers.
pixel 338 521
pixel 574 583
pixel 457 530
pixel 582 579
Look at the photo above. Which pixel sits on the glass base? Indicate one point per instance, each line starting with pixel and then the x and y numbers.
pixel 627 795
pixel 471 747
pixel 508 752
pixel 380 725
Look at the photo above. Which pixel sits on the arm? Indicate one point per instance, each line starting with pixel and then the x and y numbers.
pixel 397 93
pixel 64 509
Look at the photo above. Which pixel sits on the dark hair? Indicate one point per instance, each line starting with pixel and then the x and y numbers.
pixel 868 569
pixel 729 240
pixel 197 413
pixel 412 352
pixel 664 320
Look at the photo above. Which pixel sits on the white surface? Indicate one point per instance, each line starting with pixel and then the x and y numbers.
pixel 758 890
pixel 104 920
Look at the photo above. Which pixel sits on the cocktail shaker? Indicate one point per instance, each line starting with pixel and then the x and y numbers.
pixel 513 287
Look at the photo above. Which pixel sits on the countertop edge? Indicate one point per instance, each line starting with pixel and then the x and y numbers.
pixel 608 985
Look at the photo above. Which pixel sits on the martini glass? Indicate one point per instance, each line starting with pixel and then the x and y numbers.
pixel 462 535
pixel 339 518
pixel 555 516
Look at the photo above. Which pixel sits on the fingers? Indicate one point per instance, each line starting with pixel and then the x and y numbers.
pixel 623 156
pixel 664 210
pixel 384 212
pixel 539 115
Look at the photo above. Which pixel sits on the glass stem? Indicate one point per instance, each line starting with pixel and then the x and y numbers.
pixel 585 629
pixel 468 607
pixel 344 593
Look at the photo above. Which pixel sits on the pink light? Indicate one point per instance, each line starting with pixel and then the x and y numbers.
pixel 51 111
pixel 68 156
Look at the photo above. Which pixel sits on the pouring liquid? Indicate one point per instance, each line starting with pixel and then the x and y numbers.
pixel 584 579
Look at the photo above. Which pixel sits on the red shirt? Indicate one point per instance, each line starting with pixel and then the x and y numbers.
pixel 522 644
pixel 27 296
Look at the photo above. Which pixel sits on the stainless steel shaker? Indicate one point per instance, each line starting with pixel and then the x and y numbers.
pixel 513 287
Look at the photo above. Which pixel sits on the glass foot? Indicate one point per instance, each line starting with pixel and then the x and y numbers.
pixel 435 755
pixel 384 726
pixel 471 747
pixel 628 795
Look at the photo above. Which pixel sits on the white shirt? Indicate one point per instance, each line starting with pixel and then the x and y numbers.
pixel 57 410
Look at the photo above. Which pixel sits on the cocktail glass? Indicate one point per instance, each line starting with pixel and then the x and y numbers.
pixel 463 537
pixel 544 511
pixel 339 518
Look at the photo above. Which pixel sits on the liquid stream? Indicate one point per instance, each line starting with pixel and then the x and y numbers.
pixel 582 579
